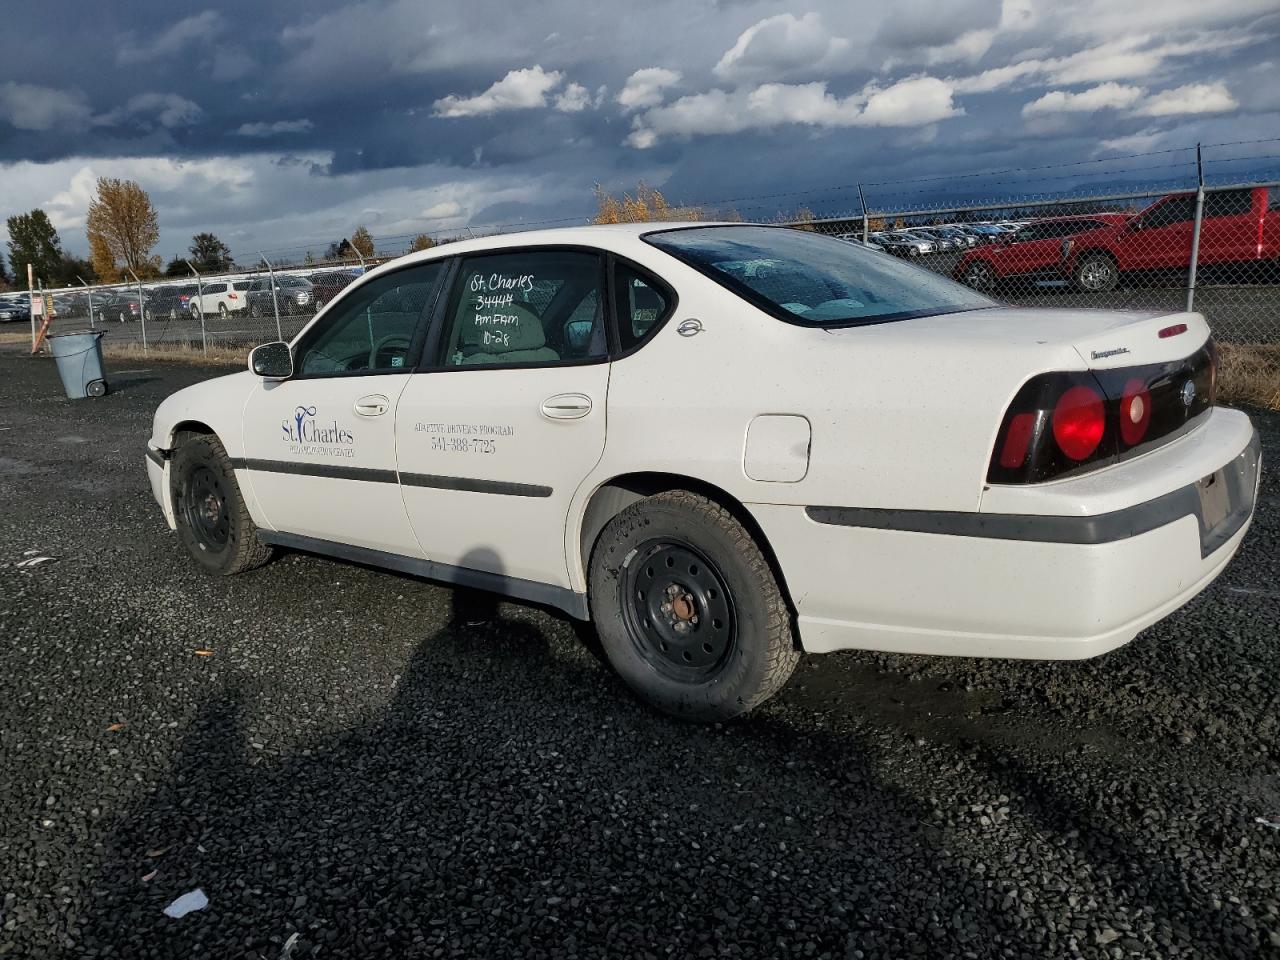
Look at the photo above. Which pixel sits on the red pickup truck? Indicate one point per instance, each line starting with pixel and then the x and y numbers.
pixel 1239 227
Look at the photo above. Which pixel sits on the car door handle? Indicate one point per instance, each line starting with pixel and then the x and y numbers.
pixel 374 405
pixel 566 406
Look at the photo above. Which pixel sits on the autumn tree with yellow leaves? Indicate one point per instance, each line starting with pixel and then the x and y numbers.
pixel 122 228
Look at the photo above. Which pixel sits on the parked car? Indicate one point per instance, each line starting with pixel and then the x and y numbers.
pixel 885 459
pixel 120 305
pixel 1239 228
pixel 170 301
pixel 293 296
pixel 962 239
pixel 941 244
pixel 327 285
pixel 13 310
pixel 220 296
pixel 902 245
pixel 1034 252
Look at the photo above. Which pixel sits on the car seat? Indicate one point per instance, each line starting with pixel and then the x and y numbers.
pixel 518 339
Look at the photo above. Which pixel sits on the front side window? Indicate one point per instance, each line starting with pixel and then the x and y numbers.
pixel 525 307
pixel 373 329
pixel 1177 210
pixel 1228 203
pixel 814 280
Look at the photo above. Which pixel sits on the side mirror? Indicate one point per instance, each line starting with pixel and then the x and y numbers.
pixel 272 361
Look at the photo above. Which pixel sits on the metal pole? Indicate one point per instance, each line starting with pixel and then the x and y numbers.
pixel 275 303
pixel 90 289
pixel 865 228
pixel 1195 233
pixel 31 303
pixel 142 309
pixel 204 340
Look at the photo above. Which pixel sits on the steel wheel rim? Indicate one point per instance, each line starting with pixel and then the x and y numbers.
pixel 204 508
pixel 678 610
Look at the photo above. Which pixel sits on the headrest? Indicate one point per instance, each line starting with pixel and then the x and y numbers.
pixel 501 329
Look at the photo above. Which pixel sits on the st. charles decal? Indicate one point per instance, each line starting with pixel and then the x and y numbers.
pixel 307 436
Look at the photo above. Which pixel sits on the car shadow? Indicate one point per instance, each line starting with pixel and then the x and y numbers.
pixel 502 805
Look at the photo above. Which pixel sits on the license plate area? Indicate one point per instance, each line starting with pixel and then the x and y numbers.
pixel 1215 500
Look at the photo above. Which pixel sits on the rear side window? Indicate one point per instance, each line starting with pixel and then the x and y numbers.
pixel 1229 203
pixel 640 304
pixel 524 308
pixel 215 288
pixel 814 280
pixel 1275 199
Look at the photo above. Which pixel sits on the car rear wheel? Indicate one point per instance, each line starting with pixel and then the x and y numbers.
pixel 222 310
pixel 196 313
pixel 254 311
pixel 213 522
pixel 1096 273
pixel 688 609
pixel 124 317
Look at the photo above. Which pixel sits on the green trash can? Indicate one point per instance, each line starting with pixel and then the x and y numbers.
pixel 79 358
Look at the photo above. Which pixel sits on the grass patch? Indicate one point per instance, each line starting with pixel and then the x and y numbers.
pixel 176 353
pixel 10 336
pixel 1249 373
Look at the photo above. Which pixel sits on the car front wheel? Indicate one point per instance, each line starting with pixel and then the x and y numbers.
pixel 688 609
pixel 213 522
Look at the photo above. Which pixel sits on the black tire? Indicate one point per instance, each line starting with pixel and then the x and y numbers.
pixel 222 311
pixel 254 312
pixel 195 312
pixel 213 523
pixel 703 631
pixel 1096 273
pixel 96 388
pixel 979 275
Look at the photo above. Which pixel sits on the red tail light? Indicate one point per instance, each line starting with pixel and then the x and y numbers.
pixel 1135 412
pixel 1079 420
pixel 1017 440
pixel 232 296
pixel 1067 423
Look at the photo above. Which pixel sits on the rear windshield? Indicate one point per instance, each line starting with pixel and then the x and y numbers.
pixel 810 279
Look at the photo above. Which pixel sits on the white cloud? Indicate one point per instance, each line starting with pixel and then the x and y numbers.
pixel 1139 142
pixel 262 129
pixel 31 107
pixel 518 90
pixel 573 99
pixel 1105 96
pixel 780 45
pixel 912 102
pixel 445 210
pixel 199 28
pixel 646 88
pixel 1130 58
pixel 1190 99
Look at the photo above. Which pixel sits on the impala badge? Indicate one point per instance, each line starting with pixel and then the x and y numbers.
pixel 689 328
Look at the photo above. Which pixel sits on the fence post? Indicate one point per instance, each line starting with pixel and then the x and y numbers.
pixel 863 201
pixel 204 340
pixel 90 289
pixel 1195 233
pixel 275 303
pixel 142 310
pixel 31 303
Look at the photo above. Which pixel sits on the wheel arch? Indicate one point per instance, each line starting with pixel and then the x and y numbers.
pixel 617 493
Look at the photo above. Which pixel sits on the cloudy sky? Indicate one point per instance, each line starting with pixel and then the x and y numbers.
pixel 282 125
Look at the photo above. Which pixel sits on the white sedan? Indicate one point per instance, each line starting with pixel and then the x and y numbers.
pixel 725 445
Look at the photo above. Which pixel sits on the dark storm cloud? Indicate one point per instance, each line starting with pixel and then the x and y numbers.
pixel 286 122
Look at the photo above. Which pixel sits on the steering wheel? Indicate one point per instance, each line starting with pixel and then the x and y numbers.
pixel 394 340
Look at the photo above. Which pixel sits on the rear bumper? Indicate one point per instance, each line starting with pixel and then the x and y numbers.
pixel 1031 585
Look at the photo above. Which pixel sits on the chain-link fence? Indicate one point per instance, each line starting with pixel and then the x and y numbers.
pixel 1213 248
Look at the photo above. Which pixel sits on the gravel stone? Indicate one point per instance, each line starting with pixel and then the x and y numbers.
pixel 375 766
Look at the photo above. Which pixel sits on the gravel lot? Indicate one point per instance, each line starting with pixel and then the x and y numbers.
pixel 385 767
